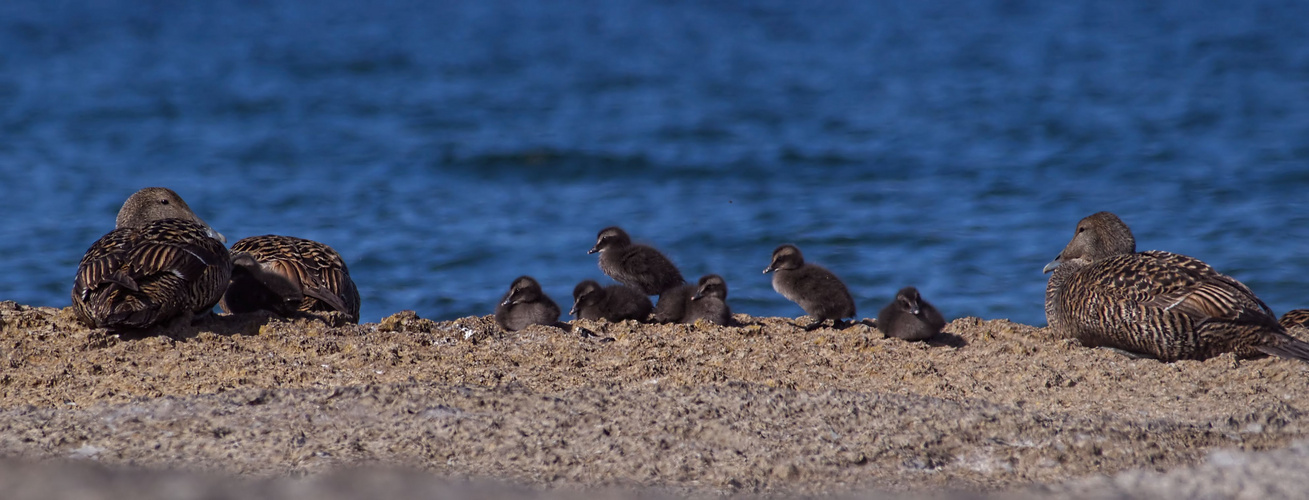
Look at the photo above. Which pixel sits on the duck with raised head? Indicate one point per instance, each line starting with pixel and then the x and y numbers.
pixel 161 263
pixel 638 266
pixel 525 304
pixel 613 303
pixel 909 317
pixel 818 291
pixel 289 275
pixel 1158 304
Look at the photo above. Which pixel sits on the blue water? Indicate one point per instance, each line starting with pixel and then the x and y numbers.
pixel 446 147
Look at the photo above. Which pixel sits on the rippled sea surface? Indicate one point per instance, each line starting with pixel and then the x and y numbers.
pixel 445 148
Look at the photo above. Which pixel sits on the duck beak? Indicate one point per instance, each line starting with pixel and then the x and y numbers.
pixel 593 249
pixel 768 269
pixel 209 231
pixel 1052 265
pixel 697 295
pixel 573 311
pixel 507 302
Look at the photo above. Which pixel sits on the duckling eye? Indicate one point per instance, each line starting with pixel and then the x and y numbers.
pixel 165 202
pixel 1081 230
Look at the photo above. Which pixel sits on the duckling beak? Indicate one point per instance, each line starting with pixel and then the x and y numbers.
pixel 1052 265
pixel 508 302
pixel 768 269
pixel 914 310
pixel 697 295
pixel 593 249
pixel 573 311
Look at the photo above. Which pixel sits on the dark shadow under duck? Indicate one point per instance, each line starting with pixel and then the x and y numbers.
pixel 162 263
pixel 288 276
pixel 1159 304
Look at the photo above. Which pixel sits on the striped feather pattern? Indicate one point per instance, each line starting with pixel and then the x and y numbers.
pixel 140 277
pixel 314 271
pixel 1162 304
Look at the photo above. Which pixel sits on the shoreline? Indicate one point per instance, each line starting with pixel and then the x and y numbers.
pixel 763 408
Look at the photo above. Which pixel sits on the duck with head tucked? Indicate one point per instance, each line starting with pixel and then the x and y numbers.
pixel 1158 304
pixel 162 263
pixel 288 276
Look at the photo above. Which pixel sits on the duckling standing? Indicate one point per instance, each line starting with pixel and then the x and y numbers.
pixel 819 292
pixel 638 266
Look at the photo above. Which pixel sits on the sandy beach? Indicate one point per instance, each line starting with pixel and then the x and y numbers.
pixel 259 407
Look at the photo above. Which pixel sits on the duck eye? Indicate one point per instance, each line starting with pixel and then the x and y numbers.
pixel 165 202
pixel 1081 230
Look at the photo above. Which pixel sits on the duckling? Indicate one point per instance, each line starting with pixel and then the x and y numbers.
pixel 819 292
pixel 614 302
pixel 638 266
pixel 909 317
pixel 525 304
pixel 706 300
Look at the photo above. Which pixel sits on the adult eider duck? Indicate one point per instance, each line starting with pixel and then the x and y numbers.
pixel 1158 304
pixel 162 263
pixel 289 275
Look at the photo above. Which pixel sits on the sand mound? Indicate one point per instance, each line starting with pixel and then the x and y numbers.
pixel 680 409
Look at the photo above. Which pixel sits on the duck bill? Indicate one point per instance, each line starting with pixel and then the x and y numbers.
pixel 593 249
pixel 1051 266
pixel 209 231
pixel 573 311
pixel 768 269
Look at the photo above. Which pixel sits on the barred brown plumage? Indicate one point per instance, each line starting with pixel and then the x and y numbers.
pixel 1161 304
pixel 286 275
pixel 162 262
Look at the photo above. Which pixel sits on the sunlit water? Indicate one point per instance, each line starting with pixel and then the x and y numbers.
pixel 445 150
